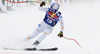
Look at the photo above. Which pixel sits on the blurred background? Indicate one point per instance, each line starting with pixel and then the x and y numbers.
pixel 19 18
pixel 7 4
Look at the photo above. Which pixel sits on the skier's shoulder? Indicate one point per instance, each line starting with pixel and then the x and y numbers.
pixel 58 12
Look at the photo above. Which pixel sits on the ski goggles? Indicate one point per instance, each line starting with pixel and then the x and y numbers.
pixel 54 10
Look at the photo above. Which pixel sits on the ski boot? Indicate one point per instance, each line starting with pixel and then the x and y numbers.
pixel 36 43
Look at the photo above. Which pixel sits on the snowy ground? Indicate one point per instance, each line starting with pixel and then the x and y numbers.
pixel 82 22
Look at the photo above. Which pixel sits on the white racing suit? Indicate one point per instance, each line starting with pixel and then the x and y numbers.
pixel 46 26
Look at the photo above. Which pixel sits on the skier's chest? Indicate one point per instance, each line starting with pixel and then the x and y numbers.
pixel 53 17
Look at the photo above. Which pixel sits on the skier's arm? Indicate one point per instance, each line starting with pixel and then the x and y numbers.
pixel 62 27
pixel 61 23
pixel 43 8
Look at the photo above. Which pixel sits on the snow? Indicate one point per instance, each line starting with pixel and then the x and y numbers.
pixel 82 22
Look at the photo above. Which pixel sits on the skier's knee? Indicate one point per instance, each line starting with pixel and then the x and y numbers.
pixel 47 31
pixel 28 37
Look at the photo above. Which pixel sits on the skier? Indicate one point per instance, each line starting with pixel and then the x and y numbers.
pixel 52 17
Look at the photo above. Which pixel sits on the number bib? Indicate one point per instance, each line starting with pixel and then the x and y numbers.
pixel 52 19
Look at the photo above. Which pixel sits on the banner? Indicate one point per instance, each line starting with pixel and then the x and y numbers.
pixel 3 5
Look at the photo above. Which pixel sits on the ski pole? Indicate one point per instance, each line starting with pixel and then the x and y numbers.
pixel 74 40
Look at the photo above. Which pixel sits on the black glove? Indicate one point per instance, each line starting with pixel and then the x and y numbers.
pixel 60 34
pixel 42 4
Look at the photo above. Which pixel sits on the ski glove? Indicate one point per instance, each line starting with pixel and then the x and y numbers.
pixel 42 4
pixel 60 34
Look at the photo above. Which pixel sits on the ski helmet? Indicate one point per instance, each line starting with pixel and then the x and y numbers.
pixel 54 7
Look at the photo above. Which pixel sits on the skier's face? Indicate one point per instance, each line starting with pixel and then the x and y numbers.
pixel 52 11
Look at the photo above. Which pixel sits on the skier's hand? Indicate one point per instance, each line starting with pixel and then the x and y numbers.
pixel 60 34
pixel 42 4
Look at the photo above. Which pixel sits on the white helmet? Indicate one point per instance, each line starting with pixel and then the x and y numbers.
pixel 54 7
